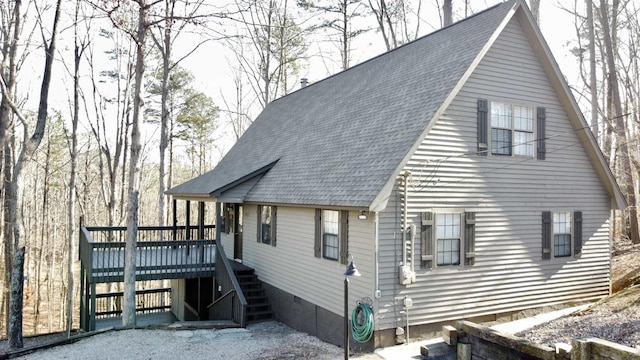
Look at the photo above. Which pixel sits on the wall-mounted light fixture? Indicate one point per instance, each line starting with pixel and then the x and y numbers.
pixel 362 216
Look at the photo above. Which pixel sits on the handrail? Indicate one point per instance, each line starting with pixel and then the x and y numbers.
pixel 149 233
pixel 233 291
pixel 85 252
pixel 224 270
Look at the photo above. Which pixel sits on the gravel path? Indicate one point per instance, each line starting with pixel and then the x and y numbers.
pixel 262 341
pixel 616 318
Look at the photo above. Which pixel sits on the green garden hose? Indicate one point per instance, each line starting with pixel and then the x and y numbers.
pixel 362 332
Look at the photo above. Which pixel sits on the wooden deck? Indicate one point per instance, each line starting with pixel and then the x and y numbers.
pixel 154 262
pixel 102 258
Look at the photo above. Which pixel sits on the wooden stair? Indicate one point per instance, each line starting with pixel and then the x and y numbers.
pixel 258 306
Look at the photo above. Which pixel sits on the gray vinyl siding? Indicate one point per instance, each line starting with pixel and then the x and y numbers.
pixel 508 195
pixel 227 241
pixel 292 267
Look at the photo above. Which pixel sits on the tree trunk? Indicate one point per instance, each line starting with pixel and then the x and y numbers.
pixel 618 117
pixel 593 85
pixel 71 218
pixel 29 148
pixel 129 309
pixel 447 13
pixel 535 10
pixel 164 117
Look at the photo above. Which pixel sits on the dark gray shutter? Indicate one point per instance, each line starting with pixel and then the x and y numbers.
pixel 344 236
pixel 426 237
pixel 547 228
pixel 317 248
pixel 577 233
pixel 274 222
pixel 469 238
pixel 259 229
pixel 483 126
pixel 227 218
pixel 542 133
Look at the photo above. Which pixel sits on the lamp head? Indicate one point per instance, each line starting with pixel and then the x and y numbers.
pixel 351 269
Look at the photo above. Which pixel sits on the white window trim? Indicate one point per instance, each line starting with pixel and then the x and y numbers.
pixel 461 260
pixel 490 129
pixel 553 234
pixel 322 233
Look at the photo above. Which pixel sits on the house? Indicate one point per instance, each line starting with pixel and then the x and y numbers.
pixel 457 171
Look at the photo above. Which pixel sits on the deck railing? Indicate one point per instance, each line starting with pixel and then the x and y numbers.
pixel 232 305
pixel 109 305
pixel 102 252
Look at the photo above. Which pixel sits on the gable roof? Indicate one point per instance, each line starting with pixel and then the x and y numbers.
pixel 343 140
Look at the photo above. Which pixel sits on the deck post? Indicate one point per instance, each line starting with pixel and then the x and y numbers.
pixel 187 235
pixel 218 221
pixel 175 219
pixel 92 307
pixel 201 229
pixel 83 296
pixel 201 220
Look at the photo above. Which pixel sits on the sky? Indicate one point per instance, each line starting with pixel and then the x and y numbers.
pixel 211 62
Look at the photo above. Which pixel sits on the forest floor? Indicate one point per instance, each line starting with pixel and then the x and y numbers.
pixel 615 318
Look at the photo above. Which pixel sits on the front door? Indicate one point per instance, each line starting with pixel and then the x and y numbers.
pixel 237 231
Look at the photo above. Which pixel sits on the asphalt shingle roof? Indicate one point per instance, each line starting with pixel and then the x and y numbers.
pixel 338 141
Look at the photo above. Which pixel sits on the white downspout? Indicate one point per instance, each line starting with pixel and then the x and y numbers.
pixel 378 293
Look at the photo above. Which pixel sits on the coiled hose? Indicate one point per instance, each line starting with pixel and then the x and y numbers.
pixel 362 332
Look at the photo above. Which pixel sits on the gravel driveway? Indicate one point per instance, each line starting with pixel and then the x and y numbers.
pixel 263 341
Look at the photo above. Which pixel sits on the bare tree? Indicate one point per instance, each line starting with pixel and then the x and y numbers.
pixel 277 47
pixel 80 45
pixel 593 86
pixel 619 118
pixel 394 22
pixel 30 145
pixel 447 13
pixel 338 16
pixel 12 18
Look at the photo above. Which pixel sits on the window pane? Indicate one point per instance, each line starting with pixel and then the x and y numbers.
pixel 330 226
pixel 448 225
pixel 562 245
pixel 523 118
pixel 523 143
pixel 265 218
pixel 330 246
pixel 500 115
pixel 500 142
pixel 562 223
pixel 448 251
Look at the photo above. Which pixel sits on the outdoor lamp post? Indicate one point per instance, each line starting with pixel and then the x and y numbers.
pixel 351 271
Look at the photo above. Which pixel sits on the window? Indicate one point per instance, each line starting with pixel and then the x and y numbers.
pixel 448 239
pixel 561 234
pixel 332 235
pixel 511 129
pixel 267 224
pixel 451 236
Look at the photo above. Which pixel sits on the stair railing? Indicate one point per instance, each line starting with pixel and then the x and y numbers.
pixel 233 303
